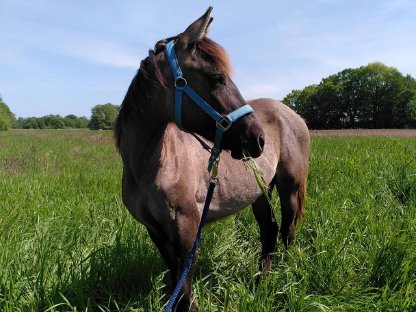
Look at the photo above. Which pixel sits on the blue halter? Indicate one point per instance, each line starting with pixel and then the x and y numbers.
pixel 223 123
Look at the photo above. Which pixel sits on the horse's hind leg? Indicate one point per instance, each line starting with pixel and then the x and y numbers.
pixel 292 196
pixel 263 213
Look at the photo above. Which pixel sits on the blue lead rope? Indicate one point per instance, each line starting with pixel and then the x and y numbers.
pixel 191 257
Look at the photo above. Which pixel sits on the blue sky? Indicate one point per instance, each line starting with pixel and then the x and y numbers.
pixel 64 57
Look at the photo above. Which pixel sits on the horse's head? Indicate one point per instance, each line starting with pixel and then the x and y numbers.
pixel 206 67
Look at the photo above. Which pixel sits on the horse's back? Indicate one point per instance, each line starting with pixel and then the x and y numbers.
pixel 291 125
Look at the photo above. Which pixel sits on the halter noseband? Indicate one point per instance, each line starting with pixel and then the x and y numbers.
pixel 223 123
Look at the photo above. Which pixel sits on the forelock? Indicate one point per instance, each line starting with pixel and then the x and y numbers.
pixel 216 54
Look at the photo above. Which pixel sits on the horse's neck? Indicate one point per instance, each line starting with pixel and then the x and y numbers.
pixel 148 134
pixel 143 128
pixel 145 115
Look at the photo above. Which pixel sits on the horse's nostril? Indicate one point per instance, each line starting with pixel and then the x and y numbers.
pixel 260 142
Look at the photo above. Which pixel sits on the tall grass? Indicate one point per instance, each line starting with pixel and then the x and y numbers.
pixel 68 244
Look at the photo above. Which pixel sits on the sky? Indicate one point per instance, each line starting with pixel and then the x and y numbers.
pixel 64 57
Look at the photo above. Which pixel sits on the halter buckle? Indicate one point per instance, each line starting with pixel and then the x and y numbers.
pixel 180 83
pixel 224 123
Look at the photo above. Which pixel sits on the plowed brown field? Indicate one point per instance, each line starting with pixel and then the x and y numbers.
pixel 365 132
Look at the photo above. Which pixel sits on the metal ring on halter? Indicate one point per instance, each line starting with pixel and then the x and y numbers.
pixel 224 123
pixel 180 83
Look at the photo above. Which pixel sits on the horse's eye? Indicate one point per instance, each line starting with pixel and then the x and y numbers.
pixel 217 78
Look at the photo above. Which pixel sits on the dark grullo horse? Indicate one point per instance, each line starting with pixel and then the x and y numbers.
pixel 164 174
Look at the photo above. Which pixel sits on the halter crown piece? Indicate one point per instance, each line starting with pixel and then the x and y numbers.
pixel 223 123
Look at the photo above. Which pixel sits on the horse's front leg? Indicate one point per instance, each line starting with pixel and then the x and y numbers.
pixel 187 222
pixel 263 213
pixel 175 248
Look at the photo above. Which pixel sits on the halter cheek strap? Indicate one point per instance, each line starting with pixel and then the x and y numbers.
pixel 223 123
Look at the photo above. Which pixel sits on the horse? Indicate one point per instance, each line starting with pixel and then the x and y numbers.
pixel 164 179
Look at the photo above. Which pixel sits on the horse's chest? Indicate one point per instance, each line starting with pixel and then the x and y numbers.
pixel 184 183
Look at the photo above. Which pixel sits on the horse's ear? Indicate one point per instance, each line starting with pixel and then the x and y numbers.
pixel 197 30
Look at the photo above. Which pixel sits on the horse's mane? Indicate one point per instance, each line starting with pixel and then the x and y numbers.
pixel 150 72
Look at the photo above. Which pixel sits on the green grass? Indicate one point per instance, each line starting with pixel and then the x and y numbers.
pixel 68 244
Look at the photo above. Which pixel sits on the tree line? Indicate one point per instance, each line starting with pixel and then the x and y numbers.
pixel 372 96
pixel 51 122
pixel 102 117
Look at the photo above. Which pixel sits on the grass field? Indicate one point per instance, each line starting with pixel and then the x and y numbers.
pixel 68 244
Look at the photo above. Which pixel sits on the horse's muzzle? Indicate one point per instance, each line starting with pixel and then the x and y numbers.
pixel 250 144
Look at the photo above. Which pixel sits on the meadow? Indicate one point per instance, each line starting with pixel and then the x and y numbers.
pixel 67 243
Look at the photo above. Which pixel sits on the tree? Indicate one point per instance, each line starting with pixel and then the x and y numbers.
pixel 70 121
pixel 7 118
pixel 103 116
pixel 53 122
pixel 19 123
pixel 32 123
pixel 304 102
pixel 82 122
pixel 372 96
